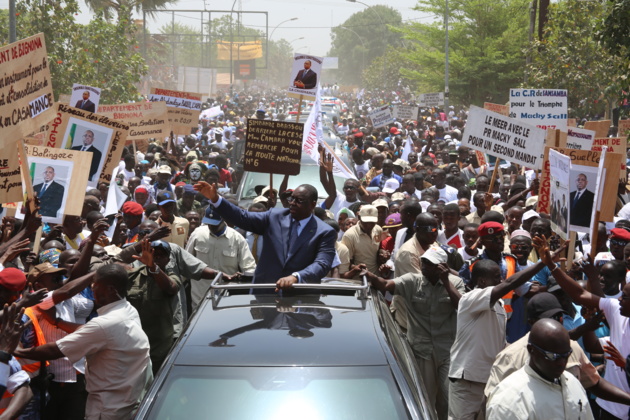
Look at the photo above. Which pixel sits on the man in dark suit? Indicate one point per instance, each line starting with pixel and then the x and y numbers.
pixel 307 78
pixel 297 246
pixel 85 103
pixel 88 139
pixel 50 194
pixel 581 202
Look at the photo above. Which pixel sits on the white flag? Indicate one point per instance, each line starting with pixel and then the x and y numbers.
pixel 115 199
pixel 407 149
pixel 312 137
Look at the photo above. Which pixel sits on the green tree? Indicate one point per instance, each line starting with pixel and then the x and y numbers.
pixel 570 57
pixel 111 7
pixel 486 43
pixel 362 38
pixel 100 54
pixel 384 72
pixel 614 30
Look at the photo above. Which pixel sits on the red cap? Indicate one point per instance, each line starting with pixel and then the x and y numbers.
pixel 359 134
pixel 489 228
pixel 394 130
pixel 619 233
pixel 180 184
pixel 132 208
pixel 12 279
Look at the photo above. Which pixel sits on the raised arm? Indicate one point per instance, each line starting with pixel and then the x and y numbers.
pixel 514 281
pixel 327 179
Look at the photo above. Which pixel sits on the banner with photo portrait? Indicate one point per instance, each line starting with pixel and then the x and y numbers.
pixel 559 169
pixel 102 137
pixel 59 178
pixel 85 97
pixel 26 95
pixel 305 75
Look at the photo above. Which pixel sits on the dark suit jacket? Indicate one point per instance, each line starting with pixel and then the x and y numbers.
pixel 96 158
pixel 88 106
pixel 312 253
pixel 581 212
pixel 50 202
pixel 310 81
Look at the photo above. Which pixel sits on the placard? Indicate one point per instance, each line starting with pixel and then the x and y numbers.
pixel 85 97
pixel 498 108
pixel 183 108
pixel 613 145
pixel 428 100
pixel 26 95
pixel 146 119
pixel 504 137
pixel 544 108
pixel 59 177
pixel 579 138
pixel 10 174
pixel 583 162
pixel 559 170
pixel 102 137
pixel 571 122
pixel 381 116
pixel 305 75
pixel 273 147
pixel 406 112
pixel 600 128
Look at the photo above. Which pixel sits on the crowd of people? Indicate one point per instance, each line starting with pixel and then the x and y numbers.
pixel 500 326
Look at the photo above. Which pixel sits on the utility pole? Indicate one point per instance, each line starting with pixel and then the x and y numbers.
pixel 12 22
pixel 446 59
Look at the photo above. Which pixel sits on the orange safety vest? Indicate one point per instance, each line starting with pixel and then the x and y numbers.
pixel 511 269
pixel 32 366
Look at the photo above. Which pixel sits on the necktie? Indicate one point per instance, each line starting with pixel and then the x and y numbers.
pixel 577 197
pixel 304 74
pixel 83 148
pixel 293 234
pixel 83 104
pixel 43 190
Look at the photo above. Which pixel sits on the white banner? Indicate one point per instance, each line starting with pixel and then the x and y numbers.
pixel 544 108
pixel 313 136
pixel 405 112
pixel 560 171
pixel 504 137
pixel 579 138
pixel 381 116
pixel 431 99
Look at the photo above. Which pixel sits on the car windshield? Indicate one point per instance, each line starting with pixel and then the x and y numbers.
pixel 306 393
pixel 309 174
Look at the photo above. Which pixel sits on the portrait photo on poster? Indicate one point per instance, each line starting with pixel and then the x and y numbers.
pixel 88 137
pixel 51 182
pixel 85 97
pixel 582 181
pixel 306 72
pixel 559 205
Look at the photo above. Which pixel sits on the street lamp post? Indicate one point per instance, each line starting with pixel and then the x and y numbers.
pixel 382 24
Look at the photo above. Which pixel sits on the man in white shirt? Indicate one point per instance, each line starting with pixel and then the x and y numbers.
pixel 542 389
pixel 115 347
pixel 447 193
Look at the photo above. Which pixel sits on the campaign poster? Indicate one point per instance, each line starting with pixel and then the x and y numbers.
pixel 146 119
pixel 305 75
pixel 428 100
pixel 560 168
pixel 544 108
pixel 582 182
pixel 183 108
pixel 579 138
pixel 26 95
pixel 10 174
pixel 381 117
pixel 85 97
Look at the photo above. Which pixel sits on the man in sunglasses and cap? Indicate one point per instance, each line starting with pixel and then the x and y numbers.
pixel 432 297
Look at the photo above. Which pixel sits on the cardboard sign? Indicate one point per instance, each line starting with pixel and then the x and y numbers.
pixel 59 177
pixel 559 169
pixel 183 108
pixel 146 119
pixel 305 75
pixel 504 137
pixel 585 161
pixel 624 127
pixel 571 122
pixel 579 138
pixel 405 112
pixel 428 100
pixel 599 127
pixel 26 95
pixel 498 108
pixel 85 97
pixel 273 147
pixel 381 117
pixel 544 108
pixel 103 138
pixel 10 174
pixel 613 145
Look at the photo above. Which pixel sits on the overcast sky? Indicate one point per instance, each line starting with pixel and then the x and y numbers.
pixel 315 17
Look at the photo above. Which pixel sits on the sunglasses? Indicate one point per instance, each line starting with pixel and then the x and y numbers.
pixel 519 247
pixel 298 201
pixel 551 356
pixel 618 242
pixel 429 229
